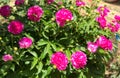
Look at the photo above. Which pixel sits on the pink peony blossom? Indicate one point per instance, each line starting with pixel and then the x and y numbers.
pixel 104 43
pixel 35 13
pixel 60 60
pixel 25 42
pixel 103 10
pixel 15 27
pixel 92 47
pixel 80 3
pixel 50 1
pixel 5 10
pixel 62 16
pixel 79 59
pixel 114 27
pixel 19 2
pixel 102 21
pixel 7 57
pixel 117 17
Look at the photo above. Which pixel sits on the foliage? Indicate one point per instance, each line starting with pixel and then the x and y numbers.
pixel 48 37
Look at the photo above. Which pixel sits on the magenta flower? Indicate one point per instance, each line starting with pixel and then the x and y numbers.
pixel 92 47
pixel 19 2
pixel 103 10
pixel 35 13
pixel 25 42
pixel 114 27
pixel 15 27
pixel 62 16
pixel 80 3
pixel 7 57
pixel 50 1
pixel 5 10
pixel 60 60
pixel 117 18
pixel 102 21
pixel 79 59
pixel 104 43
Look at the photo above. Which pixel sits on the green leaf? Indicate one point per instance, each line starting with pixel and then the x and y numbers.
pixel 33 53
pixel 39 67
pixel 46 50
pixel 34 62
pixel 49 69
pixel 68 54
pixel 41 42
pixel 53 46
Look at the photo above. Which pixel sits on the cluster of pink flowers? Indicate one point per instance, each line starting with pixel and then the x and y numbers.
pixel 19 2
pixel 114 26
pixel 7 57
pixel 34 13
pixel 15 27
pixel 62 16
pixel 80 3
pixel 50 1
pixel 78 59
pixel 102 21
pixel 25 42
pixel 103 11
pixel 5 10
pixel 102 42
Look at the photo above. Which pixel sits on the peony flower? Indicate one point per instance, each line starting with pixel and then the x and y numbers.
pixel 15 27
pixel 80 3
pixel 19 2
pixel 79 59
pixel 34 13
pixel 62 16
pixel 25 42
pixel 102 21
pixel 103 10
pixel 7 57
pixel 5 10
pixel 92 47
pixel 104 43
pixel 117 17
pixel 60 60
pixel 50 1
pixel 114 27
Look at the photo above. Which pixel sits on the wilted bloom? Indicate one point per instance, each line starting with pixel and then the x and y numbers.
pixel 34 13
pixel 19 2
pixel 117 18
pixel 25 42
pixel 103 10
pixel 114 27
pixel 60 60
pixel 92 47
pixel 79 59
pixel 7 57
pixel 62 16
pixel 80 3
pixel 102 21
pixel 15 27
pixel 104 43
pixel 50 1
pixel 5 10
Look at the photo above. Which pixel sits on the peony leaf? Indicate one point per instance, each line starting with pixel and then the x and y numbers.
pixel 39 67
pixel 46 50
pixel 34 62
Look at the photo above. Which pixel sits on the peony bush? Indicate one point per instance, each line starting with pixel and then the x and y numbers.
pixel 55 39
